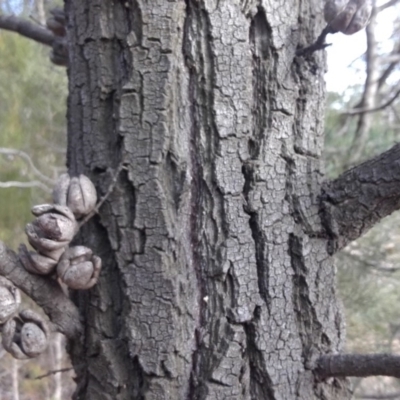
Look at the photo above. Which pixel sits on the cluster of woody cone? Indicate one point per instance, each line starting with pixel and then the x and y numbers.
pixel 347 16
pixel 25 333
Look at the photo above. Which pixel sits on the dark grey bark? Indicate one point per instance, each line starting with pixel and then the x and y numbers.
pixel 203 132
pixel 361 197
pixel 53 35
pixel 27 29
pixel 361 365
pixel 217 282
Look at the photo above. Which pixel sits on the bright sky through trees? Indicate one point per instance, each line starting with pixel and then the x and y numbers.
pixel 345 65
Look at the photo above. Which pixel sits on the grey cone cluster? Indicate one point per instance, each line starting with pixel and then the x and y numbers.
pixel 54 228
pixel 25 334
pixel 347 16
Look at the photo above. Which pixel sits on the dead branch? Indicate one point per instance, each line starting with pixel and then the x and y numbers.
pixel 390 3
pixel 374 109
pixel 53 36
pixel 319 44
pixel 369 95
pixel 50 373
pixel 361 365
pixel 25 185
pixel 29 162
pixel 27 29
pixel 360 197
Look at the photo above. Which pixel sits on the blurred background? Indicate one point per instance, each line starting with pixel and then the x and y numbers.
pixel 33 95
pixel 362 120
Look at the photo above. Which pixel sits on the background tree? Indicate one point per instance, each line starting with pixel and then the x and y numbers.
pixel 32 155
pixel 368 268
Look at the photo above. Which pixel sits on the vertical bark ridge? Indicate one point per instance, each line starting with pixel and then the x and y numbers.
pixel 289 150
pixel 209 58
pixel 194 33
pixel 211 231
pixel 104 371
pixel 122 68
pixel 263 62
pixel 160 282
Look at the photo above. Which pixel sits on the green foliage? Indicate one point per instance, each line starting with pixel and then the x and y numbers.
pixel 32 118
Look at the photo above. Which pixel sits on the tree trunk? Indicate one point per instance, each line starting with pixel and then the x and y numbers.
pixel 217 282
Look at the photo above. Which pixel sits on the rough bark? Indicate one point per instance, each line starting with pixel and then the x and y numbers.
pixel 217 282
pixel 361 197
pixel 361 365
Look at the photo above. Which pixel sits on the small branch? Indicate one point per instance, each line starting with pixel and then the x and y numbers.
pixel 319 44
pixel 370 92
pixel 375 109
pixel 390 396
pixel 27 29
pixel 54 36
pixel 361 365
pixel 28 160
pixel 390 3
pixel 45 292
pixel 105 197
pixel 25 185
pixel 57 371
pixel 360 197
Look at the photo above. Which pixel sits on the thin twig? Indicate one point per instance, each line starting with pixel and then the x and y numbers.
pixel 390 3
pixel 28 160
pixel 53 372
pixel 319 44
pixel 25 185
pixel 95 211
pixel 374 109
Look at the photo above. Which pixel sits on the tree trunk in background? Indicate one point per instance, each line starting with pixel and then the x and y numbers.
pixel 216 281
pixel 15 379
pixel 57 353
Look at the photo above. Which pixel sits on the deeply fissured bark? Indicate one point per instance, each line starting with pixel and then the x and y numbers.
pixel 217 282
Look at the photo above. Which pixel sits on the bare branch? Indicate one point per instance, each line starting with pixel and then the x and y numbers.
pixel 28 160
pixel 57 371
pixel 319 44
pixel 25 185
pixel 391 396
pixel 375 109
pixel 27 29
pixel 360 197
pixel 390 3
pixel 395 58
pixel 62 312
pixel 370 92
pixel 361 365
pixel 53 35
